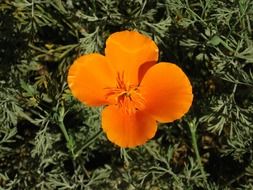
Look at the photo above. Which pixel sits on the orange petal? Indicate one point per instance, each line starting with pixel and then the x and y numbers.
pixel 88 77
pixel 128 50
pixel 127 130
pixel 167 92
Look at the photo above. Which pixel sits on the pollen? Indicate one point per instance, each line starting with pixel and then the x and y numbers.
pixel 125 95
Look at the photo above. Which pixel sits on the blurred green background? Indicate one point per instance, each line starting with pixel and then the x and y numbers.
pixel 49 140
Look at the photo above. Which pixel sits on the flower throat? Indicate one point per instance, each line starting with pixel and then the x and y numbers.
pixel 126 96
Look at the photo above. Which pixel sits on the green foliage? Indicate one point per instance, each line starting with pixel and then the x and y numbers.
pixel 49 140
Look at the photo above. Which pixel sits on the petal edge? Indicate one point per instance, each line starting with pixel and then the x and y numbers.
pixel 88 77
pixel 167 92
pixel 127 130
pixel 128 50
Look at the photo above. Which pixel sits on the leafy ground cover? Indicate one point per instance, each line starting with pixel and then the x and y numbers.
pixel 49 140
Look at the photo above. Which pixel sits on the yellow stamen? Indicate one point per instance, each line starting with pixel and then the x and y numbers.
pixel 125 96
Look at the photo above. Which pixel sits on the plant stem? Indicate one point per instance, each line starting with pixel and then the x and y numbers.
pixel 89 142
pixel 193 129
pixel 63 129
pixel 70 142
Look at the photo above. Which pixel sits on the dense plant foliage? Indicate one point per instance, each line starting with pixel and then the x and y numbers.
pixel 49 140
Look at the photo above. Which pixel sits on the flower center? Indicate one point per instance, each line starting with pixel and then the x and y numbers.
pixel 125 95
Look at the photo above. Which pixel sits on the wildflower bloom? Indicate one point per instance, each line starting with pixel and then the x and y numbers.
pixel 135 90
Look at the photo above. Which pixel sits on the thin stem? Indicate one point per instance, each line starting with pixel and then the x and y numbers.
pixel 61 123
pixel 88 142
pixel 63 129
pixel 70 142
pixel 193 129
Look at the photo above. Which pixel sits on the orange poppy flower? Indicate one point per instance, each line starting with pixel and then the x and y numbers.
pixel 135 91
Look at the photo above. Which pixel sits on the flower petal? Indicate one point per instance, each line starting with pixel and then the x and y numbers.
pixel 127 130
pixel 167 92
pixel 88 78
pixel 128 50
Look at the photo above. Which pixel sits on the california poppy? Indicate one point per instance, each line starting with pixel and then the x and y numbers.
pixel 135 90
